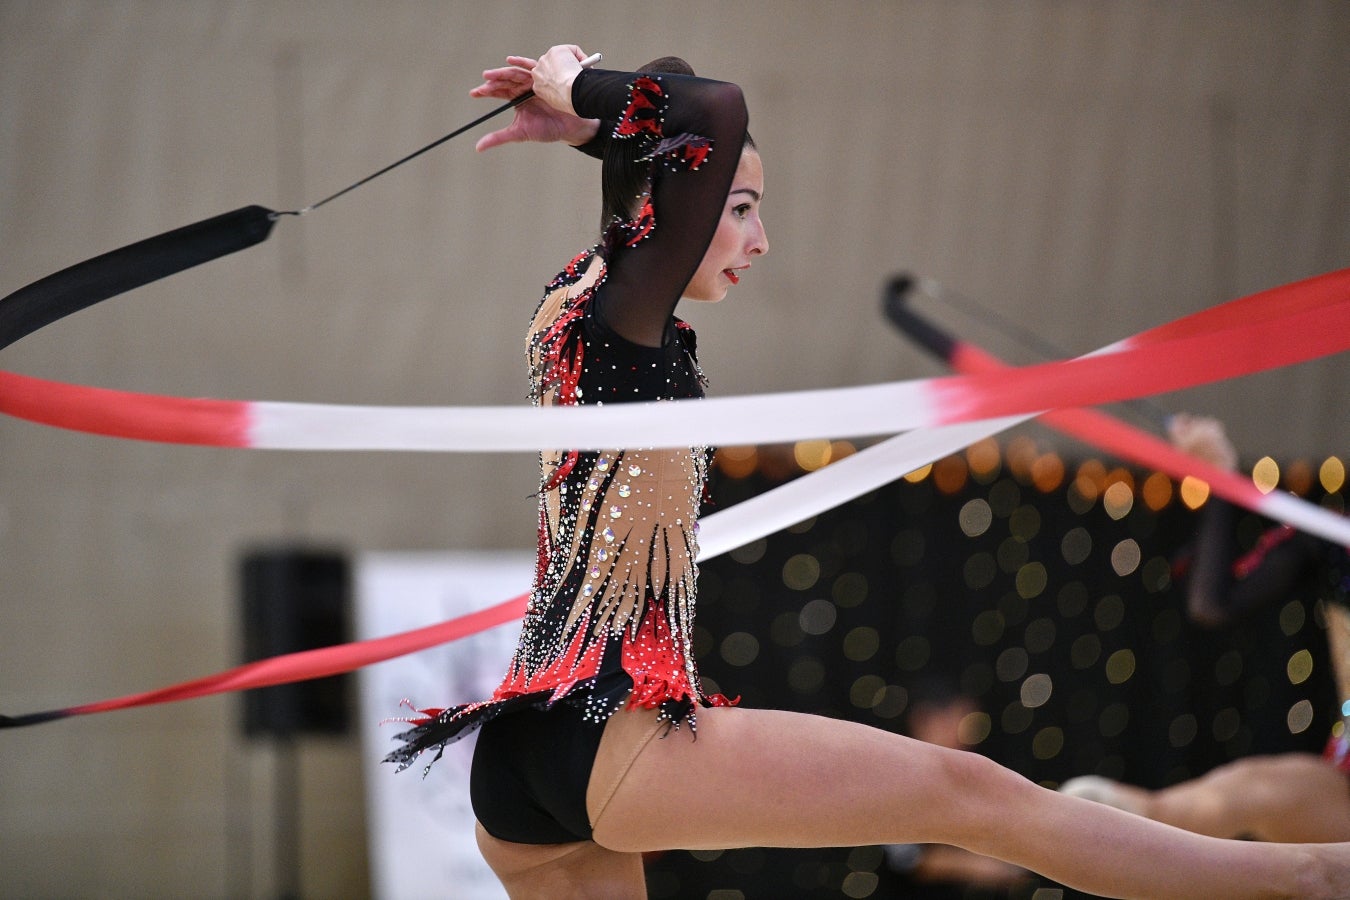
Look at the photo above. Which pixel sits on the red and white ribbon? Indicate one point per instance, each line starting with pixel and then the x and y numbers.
pixel 1278 327
pixel 1283 328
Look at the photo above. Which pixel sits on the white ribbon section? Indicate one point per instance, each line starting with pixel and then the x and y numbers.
pixel 1306 516
pixel 878 465
pixel 760 419
pixel 837 483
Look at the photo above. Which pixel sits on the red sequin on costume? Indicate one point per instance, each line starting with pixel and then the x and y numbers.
pixel 644 111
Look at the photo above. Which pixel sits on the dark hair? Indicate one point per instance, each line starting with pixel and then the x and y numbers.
pixel 622 178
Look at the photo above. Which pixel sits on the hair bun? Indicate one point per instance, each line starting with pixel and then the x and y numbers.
pixel 669 65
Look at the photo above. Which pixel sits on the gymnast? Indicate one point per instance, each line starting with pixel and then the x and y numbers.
pixel 1271 797
pixel 600 743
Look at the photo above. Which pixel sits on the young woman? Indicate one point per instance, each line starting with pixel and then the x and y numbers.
pixel 591 751
pixel 1284 797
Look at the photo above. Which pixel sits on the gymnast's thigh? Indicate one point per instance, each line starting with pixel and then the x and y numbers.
pixel 582 870
pixel 771 778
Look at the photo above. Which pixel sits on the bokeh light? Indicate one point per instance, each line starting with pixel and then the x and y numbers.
pixel 737 462
pixel 801 572
pixel 1300 667
pixel 1300 717
pixel 1194 492
pixel 1120 666
pixel 1157 491
pixel 987 628
pixel 1125 557
pixel 1266 475
pixel 849 589
pixel 1118 500
pixel 950 474
pixel 975 517
pixel 1036 690
pixel 1047 473
pixel 1331 474
pixel 862 643
pixel 913 653
pixel 1298 477
pixel 1040 635
pixel 985 459
pixel 974 729
pixel 740 648
pixel 866 691
pixel 1182 731
pixel 750 553
pixel 1012 664
pixel 818 616
pixel 1085 652
pixel 1114 719
pixel 1076 545
pixel 1109 613
pixel 919 474
pixel 1090 480
pixel 1020 456
pixel 1048 742
pixel 811 455
pixel 858 885
pixel 1031 580
pixel 1025 522
pixel 1293 616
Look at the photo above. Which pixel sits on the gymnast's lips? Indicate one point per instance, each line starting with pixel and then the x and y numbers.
pixel 732 276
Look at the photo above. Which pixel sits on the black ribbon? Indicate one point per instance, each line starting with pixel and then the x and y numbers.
pixel 84 284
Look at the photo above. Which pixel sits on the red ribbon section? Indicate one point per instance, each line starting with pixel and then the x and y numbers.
pixel 1297 322
pixel 144 417
pixel 1111 434
pixel 299 666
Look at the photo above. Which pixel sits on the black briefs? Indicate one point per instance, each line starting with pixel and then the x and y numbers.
pixel 530 772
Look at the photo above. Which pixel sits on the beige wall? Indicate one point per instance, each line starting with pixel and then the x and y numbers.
pixel 1087 169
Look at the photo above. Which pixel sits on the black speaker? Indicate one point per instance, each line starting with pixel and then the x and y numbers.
pixel 295 599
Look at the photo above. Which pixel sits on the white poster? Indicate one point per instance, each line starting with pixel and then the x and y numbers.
pixel 421 829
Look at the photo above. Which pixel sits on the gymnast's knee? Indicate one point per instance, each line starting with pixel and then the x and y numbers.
pixel 968 786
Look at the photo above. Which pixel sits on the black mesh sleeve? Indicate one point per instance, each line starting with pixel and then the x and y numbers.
pixel 595 147
pixel 645 281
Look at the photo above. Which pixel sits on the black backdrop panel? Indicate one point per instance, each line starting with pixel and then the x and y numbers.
pixel 1058 616
pixel 295 599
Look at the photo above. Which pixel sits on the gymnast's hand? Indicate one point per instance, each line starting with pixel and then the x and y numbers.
pixel 548 117
pixel 1204 437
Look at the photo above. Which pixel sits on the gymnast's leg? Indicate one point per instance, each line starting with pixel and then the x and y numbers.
pixel 561 871
pixel 1286 797
pixel 772 778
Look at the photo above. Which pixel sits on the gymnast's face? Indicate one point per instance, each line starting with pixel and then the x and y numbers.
pixel 740 234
